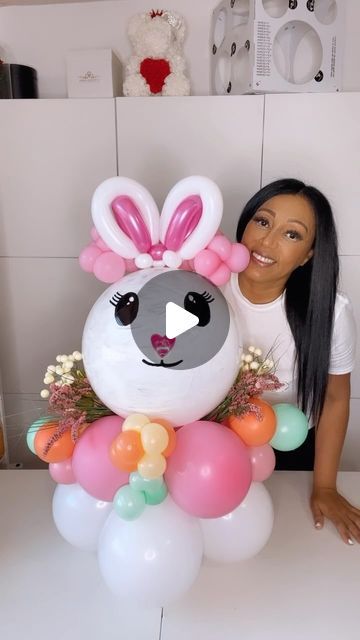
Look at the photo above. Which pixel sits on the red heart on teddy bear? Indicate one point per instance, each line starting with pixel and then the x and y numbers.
pixel 155 71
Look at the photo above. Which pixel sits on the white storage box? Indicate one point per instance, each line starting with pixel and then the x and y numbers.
pixel 93 73
pixel 264 46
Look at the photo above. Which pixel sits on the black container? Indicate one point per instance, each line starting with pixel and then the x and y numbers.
pixel 18 81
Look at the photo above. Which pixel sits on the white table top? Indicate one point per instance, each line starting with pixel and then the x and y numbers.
pixel 305 584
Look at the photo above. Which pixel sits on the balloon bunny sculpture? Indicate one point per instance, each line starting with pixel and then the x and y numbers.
pixel 149 487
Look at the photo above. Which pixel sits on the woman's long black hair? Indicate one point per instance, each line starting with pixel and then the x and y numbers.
pixel 310 292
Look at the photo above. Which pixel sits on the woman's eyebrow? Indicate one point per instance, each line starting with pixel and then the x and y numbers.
pixel 299 222
pixel 268 210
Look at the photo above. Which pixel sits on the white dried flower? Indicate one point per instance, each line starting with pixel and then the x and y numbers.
pixel 58 358
pixel 254 365
pixel 258 352
pixel 77 356
pixel 67 379
pixel 248 358
pixel 246 367
pixel 251 349
pixel 59 370
pixel 51 368
pixel 49 379
pixel 44 393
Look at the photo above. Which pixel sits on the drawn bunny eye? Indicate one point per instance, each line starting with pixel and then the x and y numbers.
pixel 126 307
pixel 199 305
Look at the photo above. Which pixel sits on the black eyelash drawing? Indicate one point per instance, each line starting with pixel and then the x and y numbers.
pixel 207 296
pixel 115 299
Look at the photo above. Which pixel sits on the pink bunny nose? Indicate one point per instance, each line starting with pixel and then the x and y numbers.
pixel 157 251
pixel 162 344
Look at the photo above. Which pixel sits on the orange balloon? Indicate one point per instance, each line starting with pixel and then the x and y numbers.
pixel 61 450
pixel 126 450
pixel 171 433
pixel 252 431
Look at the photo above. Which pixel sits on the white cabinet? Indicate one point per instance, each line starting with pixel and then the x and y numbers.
pixel 53 154
pixel 316 138
pixel 161 140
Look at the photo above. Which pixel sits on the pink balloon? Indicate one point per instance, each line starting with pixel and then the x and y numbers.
pixel 62 472
pixel 88 257
pixel 130 221
pixel 91 462
pixel 102 245
pixel 222 246
pixel 109 267
pixel 209 473
pixel 187 265
pixel 221 275
pixel 94 234
pixel 239 258
pixel 183 222
pixel 130 265
pixel 206 262
pixel 262 462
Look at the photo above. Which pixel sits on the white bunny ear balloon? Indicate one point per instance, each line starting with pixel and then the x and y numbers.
pixel 126 216
pixel 190 217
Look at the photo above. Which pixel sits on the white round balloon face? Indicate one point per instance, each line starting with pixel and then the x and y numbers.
pixel 135 368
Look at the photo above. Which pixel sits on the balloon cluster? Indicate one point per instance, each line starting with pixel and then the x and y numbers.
pixel 201 479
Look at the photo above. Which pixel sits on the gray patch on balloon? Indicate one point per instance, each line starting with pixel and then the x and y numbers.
pixel 194 347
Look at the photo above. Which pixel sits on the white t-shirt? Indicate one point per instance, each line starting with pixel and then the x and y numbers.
pixel 265 326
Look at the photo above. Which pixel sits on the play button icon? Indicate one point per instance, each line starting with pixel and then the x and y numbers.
pixel 178 320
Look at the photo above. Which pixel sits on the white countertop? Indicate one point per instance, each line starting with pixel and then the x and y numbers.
pixel 305 584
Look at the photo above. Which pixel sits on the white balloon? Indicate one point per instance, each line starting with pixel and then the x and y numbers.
pixel 152 560
pixel 105 221
pixel 114 365
pixel 172 259
pixel 209 223
pixel 143 261
pixel 78 516
pixel 242 533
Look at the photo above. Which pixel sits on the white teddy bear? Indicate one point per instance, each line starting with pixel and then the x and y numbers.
pixel 157 66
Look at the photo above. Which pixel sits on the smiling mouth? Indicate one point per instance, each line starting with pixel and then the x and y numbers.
pixel 167 365
pixel 260 259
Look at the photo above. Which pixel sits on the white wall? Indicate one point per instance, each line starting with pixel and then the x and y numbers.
pixel 41 35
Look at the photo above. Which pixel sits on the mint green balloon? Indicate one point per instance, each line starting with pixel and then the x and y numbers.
pixel 156 496
pixel 129 504
pixel 291 427
pixel 33 429
pixel 155 490
pixel 138 483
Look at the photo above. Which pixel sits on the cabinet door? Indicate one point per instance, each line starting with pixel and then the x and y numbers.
pixel 316 138
pixel 53 154
pixel 161 140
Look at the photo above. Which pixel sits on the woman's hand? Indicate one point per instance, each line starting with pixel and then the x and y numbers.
pixel 328 503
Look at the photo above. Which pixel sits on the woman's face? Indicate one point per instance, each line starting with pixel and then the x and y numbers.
pixel 279 237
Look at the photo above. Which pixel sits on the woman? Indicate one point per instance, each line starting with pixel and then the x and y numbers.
pixel 287 303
